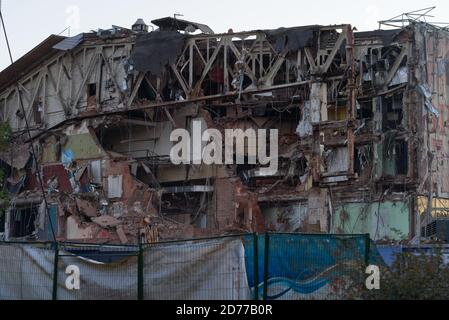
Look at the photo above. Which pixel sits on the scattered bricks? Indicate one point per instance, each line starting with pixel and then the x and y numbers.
pixel 103 234
pixel 87 208
pixel 106 222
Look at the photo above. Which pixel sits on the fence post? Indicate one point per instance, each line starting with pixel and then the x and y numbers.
pixel 55 272
pixel 256 266
pixel 367 249
pixel 266 263
pixel 140 273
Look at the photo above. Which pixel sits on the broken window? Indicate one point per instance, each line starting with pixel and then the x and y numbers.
pixel 396 155
pixel 392 111
pixel 337 160
pixel 362 160
pixel 172 90
pixel 92 90
pixel 337 113
pixel 145 92
pixel 370 65
pixel 23 222
pixel 188 204
pixel 215 82
pixel 144 173
pixel 109 85
pixel 37 112
pixel 401 151
pixel 20 114
pixel 91 94
pixel 365 109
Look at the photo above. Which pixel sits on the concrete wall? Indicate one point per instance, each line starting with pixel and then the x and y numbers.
pixel 393 223
pixel 286 219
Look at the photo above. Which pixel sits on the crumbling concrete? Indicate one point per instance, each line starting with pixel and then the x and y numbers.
pixel 362 121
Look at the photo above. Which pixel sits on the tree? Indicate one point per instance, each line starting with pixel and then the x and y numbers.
pixel 413 276
pixel 5 142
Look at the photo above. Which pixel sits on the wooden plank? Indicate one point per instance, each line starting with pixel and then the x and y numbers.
pixel 65 106
pixel 335 49
pixel 207 68
pixel 35 93
pixel 181 81
pixel 137 85
pixel 310 59
pixel 82 87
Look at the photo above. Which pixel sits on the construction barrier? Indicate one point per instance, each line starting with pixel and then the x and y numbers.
pixel 243 267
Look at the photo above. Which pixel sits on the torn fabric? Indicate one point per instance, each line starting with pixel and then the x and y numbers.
pixel 154 51
pixel 293 39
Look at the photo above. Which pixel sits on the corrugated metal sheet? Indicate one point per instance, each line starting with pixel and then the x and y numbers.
pixel 70 43
pixel 61 173
pixel 386 36
pixel 178 24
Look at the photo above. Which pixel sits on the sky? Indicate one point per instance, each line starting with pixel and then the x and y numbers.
pixel 28 22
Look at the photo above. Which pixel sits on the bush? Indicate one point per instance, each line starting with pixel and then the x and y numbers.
pixel 421 276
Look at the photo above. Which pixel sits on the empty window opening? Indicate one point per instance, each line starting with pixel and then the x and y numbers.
pixel 91 94
pixel 22 222
pixel 214 83
pixel 145 92
pixel 337 113
pixel 401 150
pixel 362 160
pixel 365 110
pixel 37 112
pixel 92 90
pixel 392 112
pixel 395 157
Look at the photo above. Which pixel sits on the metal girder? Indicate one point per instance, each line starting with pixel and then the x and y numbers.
pixel 249 55
pixel 396 66
pixel 136 87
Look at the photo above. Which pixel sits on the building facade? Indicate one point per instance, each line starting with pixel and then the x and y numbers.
pixel 362 118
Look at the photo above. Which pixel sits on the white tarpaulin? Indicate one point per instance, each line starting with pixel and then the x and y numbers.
pixel 189 271
pixel 99 281
pixel 213 270
pixel 26 273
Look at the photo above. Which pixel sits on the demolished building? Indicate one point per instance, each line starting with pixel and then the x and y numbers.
pixel 362 119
